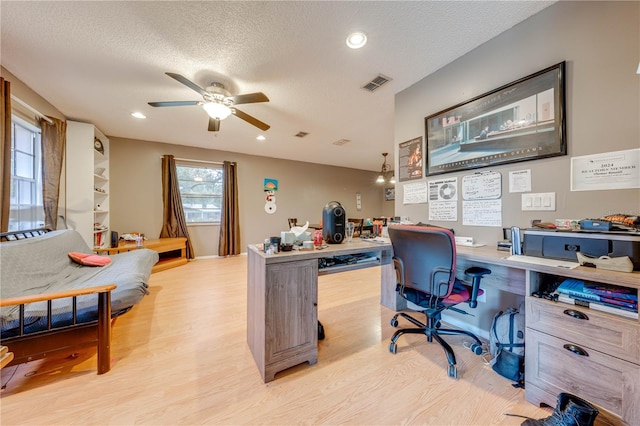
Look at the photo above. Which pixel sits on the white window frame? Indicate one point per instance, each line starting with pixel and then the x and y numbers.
pixel 192 210
pixel 16 222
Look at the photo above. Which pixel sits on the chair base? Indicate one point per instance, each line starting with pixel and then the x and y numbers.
pixel 433 331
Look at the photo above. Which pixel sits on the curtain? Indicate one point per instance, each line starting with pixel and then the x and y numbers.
pixel 229 242
pixel 174 224
pixel 54 138
pixel 5 154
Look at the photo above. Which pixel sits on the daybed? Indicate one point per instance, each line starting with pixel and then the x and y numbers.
pixel 50 303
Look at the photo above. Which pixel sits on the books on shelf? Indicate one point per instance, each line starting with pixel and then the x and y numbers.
pixel 615 298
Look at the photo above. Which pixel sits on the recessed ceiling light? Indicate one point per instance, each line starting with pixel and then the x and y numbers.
pixel 138 115
pixel 356 40
pixel 261 138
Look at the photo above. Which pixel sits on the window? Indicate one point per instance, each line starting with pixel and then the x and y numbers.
pixel 26 207
pixel 201 192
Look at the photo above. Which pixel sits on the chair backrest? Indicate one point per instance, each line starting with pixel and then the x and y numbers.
pixel 426 257
pixel 292 222
pixel 380 219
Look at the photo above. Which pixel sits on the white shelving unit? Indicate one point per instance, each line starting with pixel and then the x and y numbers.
pixel 87 177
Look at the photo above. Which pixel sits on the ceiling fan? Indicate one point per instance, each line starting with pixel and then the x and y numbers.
pixel 218 103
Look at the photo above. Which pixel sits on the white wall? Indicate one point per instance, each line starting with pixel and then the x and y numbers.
pixel 600 42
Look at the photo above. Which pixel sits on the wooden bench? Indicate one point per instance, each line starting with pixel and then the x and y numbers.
pixel 172 251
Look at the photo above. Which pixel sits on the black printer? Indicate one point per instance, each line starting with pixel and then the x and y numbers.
pixel 563 245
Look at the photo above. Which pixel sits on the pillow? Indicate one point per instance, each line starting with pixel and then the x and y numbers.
pixel 88 259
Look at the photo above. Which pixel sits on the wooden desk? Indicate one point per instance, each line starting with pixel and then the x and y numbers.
pixel 282 301
pixel 605 367
pixel 172 251
pixel 282 317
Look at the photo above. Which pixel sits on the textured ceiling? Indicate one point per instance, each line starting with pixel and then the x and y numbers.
pixel 100 61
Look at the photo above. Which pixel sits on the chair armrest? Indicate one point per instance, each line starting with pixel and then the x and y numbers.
pixel 476 273
pixel 21 300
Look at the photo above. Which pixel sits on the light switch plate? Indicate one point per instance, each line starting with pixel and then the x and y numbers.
pixel 542 201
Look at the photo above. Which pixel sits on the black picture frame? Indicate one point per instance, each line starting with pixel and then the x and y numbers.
pixel 390 193
pixel 520 121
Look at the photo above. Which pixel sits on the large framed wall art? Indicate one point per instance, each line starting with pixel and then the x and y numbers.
pixel 523 120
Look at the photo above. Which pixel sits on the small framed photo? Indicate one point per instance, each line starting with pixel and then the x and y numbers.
pixel 390 194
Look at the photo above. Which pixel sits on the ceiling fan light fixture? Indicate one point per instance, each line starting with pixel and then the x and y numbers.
pixel 356 40
pixel 217 110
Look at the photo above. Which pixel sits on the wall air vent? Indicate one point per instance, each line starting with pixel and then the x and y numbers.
pixel 376 83
pixel 301 134
pixel 342 142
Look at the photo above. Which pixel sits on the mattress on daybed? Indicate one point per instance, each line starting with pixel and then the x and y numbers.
pixel 41 265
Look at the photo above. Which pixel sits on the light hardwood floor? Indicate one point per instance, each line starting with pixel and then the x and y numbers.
pixel 181 357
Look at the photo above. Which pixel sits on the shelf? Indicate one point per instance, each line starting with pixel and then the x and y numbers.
pixel 350 267
pixel 100 177
pixel 100 211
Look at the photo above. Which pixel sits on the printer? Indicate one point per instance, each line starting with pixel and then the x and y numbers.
pixel 564 245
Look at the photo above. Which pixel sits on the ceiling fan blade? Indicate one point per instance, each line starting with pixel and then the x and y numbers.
pixel 249 98
pixel 174 103
pixel 190 84
pixel 214 124
pixel 250 119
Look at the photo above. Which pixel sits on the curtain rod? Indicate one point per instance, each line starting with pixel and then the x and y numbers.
pixel 198 161
pixel 32 109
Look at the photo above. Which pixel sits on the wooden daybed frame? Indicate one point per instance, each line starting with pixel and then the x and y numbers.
pixel 33 346
pixel 52 339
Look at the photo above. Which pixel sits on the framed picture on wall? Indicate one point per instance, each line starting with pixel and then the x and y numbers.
pixel 523 120
pixel 390 194
pixel 410 159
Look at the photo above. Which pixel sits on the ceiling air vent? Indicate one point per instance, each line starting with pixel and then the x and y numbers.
pixel 376 83
pixel 342 142
pixel 301 134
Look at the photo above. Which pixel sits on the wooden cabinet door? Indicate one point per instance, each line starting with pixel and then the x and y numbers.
pixel 556 365
pixel 291 316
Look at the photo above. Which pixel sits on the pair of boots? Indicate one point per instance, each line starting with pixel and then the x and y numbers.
pixel 570 411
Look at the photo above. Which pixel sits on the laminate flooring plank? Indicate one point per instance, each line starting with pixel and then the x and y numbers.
pixel 181 357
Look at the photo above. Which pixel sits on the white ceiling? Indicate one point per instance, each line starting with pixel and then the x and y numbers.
pixel 100 61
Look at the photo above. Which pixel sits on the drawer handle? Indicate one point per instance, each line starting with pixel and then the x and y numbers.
pixel 576 314
pixel 576 349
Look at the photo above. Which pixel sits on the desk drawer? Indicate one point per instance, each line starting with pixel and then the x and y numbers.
pixel 610 334
pixel 601 379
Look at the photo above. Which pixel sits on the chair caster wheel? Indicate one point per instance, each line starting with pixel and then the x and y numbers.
pixel 394 322
pixel 476 349
pixel 452 371
pixel 393 348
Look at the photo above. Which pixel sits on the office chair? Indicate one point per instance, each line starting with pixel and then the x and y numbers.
pixel 383 220
pixel 425 263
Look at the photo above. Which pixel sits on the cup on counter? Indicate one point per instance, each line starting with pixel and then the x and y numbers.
pixel 275 243
pixel 350 226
